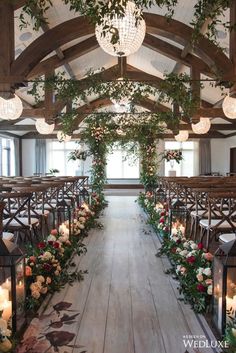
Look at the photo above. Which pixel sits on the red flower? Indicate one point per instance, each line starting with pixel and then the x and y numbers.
pixel 41 245
pixel 201 288
pixel 191 259
pixel 200 246
pixel 162 220
pixel 163 213
pixel 47 267
pixel 54 232
pixel 56 245
pixel 50 242
pixel 178 241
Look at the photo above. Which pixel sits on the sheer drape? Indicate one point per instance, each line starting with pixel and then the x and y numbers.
pixel 17 156
pixel 205 156
pixel 40 156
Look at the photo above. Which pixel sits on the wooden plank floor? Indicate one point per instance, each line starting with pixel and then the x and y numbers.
pixel 126 304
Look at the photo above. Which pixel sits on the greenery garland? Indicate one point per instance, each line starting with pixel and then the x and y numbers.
pixel 212 10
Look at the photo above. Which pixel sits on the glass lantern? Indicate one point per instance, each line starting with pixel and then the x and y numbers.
pixel 178 218
pixel 65 212
pixel 12 285
pixel 83 196
pixel 159 198
pixel 224 279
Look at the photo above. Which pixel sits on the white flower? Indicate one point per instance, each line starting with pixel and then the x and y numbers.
pixel 207 271
pixel 63 239
pixel 51 238
pixel 178 250
pixel 183 253
pixel 209 290
pixel 191 253
pixel 46 256
pixel 82 219
pixel 194 246
pixel 200 270
pixel 178 268
pixel 186 245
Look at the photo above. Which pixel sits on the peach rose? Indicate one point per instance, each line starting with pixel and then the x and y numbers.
pixel 28 271
pixel 199 277
pixel 208 256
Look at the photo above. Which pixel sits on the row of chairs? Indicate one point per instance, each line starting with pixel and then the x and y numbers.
pixel 33 204
pixel 211 205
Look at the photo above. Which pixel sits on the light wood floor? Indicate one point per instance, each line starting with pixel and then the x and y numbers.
pixel 126 304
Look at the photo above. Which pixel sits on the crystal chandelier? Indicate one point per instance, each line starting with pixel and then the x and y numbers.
pixel 11 109
pixel 62 137
pixel 44 128
pixel 202 127
pixel 229 107
pixel 182 136
pixel 130 33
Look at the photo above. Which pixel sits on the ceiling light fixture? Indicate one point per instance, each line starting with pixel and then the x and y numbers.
pixel 130 33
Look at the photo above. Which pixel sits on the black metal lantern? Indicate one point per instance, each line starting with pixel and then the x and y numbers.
pixel 83 196
pixel 65 212
pixel 224 279
pixel 160 197
pixel 12 285
pixel 178 217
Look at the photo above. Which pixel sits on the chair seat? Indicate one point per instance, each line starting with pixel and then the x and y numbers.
pixel 23 220
pixel 7 236
pixel 214 223
pixel 225 238
pixel 198 213
pixel 35 213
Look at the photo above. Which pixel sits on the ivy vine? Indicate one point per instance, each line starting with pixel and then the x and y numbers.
pixel 212 10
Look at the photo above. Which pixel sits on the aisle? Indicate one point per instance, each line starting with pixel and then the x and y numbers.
pixel 126 304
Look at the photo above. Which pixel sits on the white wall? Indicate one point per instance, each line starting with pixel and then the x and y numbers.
pixel 28 157
pixel 220 154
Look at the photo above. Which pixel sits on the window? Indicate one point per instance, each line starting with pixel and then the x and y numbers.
pixel 189 165
pixel 57 158
pixel 122 166
pixel 7 157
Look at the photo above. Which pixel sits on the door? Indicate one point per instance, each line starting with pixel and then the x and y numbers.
pixel 233 160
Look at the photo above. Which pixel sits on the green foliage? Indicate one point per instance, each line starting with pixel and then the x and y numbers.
pixel 96 10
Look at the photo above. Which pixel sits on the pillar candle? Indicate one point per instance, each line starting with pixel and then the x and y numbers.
pixel 6 306
pixel 20 291
pixel 4 294
pixel 7 285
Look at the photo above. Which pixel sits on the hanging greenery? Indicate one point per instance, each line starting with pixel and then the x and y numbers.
pixel 204 10
pixel 174 90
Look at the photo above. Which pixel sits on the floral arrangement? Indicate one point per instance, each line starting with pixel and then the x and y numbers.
pixel 192 265
pixel 173 155
pixel 5 333
pixel 49 265
pixel 78 155
pixel 148 153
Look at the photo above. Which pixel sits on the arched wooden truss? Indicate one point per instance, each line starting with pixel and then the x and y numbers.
pixel 204 58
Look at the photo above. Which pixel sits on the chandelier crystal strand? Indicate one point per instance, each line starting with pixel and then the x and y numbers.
pixel 44 128
pixel 62 137
pixel 229 107
pixel 131 34
pixel 11 109
pixel 182 136
pixel 202 127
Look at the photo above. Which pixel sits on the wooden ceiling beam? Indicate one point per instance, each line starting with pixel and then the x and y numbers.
pixel 160 46
pixel 78 27
pixel 70 54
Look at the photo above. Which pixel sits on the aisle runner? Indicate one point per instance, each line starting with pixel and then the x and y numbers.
pixel 52 332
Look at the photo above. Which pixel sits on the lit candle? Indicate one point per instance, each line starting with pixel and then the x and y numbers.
pixel 7 285
pixel 4 294
pixel 182 229
pixel 20 291
pixel 6 307
pixel 229 303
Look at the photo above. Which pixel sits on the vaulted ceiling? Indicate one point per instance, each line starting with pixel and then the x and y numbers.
pixel 67 43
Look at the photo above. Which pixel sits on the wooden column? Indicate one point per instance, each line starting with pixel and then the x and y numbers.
pixel 232 43
pixel 196 91
pixel 49 99
pixel 7 45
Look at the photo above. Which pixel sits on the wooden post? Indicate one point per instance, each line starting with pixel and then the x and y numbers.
pixel 7 47
pixel 196 91
pixel 232 43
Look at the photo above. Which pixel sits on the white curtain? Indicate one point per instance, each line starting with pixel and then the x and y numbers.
pixel 40 156
pixel 17 155
pixel 204 156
